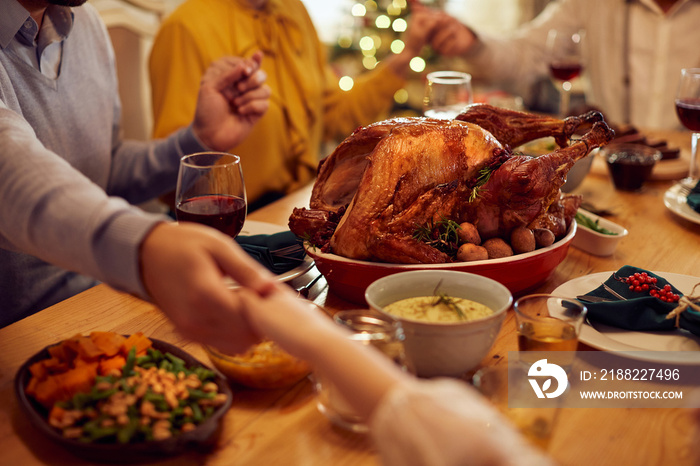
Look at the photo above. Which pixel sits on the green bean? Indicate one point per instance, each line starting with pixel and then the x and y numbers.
pixel 196 394
pixel 157 355
pixel 126 433
pixel 196 413
pixel 95 432
pixel 130 361
pixel 141 360
pixel 96 394
pixel 204 374
pixel 177 362
pixel 593 225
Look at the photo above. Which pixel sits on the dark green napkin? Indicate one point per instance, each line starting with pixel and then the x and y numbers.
pixel 640 311
pixel 694 198
pixel 279 252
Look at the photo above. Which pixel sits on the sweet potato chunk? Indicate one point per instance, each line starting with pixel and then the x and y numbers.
pixel 76 361
pixel 47 391
pixel 109 343
pixel 110 364
pixel 139 340
pixel 77 380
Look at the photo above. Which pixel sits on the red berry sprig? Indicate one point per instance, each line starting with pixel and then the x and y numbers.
pixel 641 281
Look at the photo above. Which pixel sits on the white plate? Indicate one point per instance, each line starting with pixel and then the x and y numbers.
pixel 666 344
pixel 678 204
pixel 252 227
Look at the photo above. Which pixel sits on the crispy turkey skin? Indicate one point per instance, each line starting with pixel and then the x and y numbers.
pixel 390 178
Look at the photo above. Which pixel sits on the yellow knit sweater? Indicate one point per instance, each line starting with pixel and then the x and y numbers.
pixel 306 106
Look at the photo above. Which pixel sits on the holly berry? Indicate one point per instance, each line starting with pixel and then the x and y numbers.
pixel 641 282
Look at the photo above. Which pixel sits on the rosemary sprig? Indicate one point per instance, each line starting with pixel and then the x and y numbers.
pixel 306 238
pixel 448 301
pixel 482 179
pixel 442 235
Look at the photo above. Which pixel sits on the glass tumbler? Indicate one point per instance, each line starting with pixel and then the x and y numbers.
pixel 447 93
pixel 367 329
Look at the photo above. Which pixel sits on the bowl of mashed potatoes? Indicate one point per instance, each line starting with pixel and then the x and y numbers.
pixel 450 319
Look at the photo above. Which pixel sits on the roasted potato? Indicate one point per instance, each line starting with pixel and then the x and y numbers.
pixel 468 233
pixel 497 247
pixel 522 239
pixel 471 252
pixel 543 237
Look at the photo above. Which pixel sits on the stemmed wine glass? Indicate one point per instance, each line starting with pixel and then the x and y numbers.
pixel 565 57
pixel 447 93
pixel 210 191
pixel 688 110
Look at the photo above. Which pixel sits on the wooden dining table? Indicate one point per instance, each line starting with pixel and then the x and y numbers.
pixel 284 426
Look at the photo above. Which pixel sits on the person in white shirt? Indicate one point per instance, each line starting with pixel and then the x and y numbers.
pixel 411 421
pixel 633 53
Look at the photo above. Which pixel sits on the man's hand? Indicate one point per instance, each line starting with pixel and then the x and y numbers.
pixel 183 267
pixel 232 97
pixel 452 38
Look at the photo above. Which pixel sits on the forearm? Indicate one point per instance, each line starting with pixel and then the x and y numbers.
pixel 53 212
pixel 362 374
pixel 144 170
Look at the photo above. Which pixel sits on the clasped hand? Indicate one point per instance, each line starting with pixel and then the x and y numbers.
pixel 232 97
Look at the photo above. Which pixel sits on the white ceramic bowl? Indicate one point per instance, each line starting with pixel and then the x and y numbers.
pixel 578 172
pixel 439 348
pixel 596 243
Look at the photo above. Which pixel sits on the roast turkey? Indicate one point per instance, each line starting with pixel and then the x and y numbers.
pixel 390 178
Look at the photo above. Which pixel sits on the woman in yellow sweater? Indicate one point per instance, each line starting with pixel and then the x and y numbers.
pixel 306 107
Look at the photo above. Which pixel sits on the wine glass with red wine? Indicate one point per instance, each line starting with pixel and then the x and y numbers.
pixel 565 59
pixel 688 110
pixel 210 191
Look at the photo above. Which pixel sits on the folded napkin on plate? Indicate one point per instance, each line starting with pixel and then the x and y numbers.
pixel 694 198
pixel 279 252
pixel 640 311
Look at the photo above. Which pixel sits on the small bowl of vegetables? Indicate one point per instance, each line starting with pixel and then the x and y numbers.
pixel 597 235
pixel 122 398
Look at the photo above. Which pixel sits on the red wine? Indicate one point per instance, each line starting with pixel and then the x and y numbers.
pixel 688 111
pixel 565 71
pixel 223 212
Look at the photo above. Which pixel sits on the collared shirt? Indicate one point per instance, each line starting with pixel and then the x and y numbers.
pixel 66 175
pixel 41 48
pixel 623 38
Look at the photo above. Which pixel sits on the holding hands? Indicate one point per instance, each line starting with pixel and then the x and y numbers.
pixel 183 268
pixel 452 38
pixel 232 97
pixel 444 33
